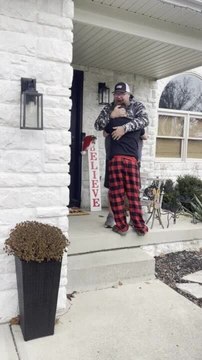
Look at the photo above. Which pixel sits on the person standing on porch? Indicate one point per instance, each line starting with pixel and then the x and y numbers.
pixel 124 177
pixel 138 119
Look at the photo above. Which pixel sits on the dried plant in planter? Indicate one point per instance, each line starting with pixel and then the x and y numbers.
pixel 38 249
pixel 34 241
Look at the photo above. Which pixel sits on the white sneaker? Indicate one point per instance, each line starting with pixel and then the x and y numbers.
pixel 109 223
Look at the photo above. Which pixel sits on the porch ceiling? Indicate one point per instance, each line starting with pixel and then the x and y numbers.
pixel 153 38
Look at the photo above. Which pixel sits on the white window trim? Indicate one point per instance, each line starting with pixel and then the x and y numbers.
pixel 185 137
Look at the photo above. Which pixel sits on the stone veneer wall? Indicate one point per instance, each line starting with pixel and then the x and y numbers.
pixel 35 41
pixel 144 90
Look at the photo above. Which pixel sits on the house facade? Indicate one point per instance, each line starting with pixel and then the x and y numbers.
pixel 149 92
pixel 69 47
pixel 115 46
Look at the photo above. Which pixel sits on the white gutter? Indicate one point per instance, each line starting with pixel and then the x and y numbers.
pixel 194 5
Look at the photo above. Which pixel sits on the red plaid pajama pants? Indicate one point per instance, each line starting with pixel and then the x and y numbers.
pixel 124 179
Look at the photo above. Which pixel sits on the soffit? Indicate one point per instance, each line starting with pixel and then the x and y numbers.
pixel 150 38
pixel 187 15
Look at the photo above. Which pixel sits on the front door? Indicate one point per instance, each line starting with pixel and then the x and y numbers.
pixel 76 139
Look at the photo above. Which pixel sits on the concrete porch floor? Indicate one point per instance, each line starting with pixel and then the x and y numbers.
pixel 98 258
pixel 88 234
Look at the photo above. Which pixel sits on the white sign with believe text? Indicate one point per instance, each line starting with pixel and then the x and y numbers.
pixel 94 177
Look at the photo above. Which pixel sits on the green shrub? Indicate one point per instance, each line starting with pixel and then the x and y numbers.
pixel 34 241
pixel 171 197
pixel 197 208
pixel 188 186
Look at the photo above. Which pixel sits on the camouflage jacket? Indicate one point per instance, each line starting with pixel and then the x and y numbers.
pixel 135 111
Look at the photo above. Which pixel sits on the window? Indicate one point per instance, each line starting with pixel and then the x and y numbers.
pixel 195 138
pixel 184 92
pixel 180 119
pixel 170 136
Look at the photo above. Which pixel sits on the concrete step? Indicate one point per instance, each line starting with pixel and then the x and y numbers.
pixel 104 269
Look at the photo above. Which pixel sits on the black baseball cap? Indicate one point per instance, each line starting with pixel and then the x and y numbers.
pixel 121 87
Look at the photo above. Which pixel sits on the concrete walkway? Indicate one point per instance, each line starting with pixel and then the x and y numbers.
pixel 142 321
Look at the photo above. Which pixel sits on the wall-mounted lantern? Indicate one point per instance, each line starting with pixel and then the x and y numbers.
pixel 31 106
pixel 103 94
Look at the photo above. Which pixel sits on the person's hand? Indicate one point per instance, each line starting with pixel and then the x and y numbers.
pixel 105 134
pixel 144 137
pixel 118 132
pixel 118 112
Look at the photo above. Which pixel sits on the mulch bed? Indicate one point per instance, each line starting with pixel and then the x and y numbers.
pixel 170 268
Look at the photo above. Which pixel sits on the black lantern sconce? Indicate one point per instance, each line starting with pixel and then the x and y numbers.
pixel 103 94
pixel 31 106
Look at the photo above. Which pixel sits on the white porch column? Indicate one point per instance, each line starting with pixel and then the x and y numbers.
pixel 35 42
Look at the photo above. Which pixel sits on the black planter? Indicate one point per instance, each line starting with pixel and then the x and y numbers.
pixel 38 285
